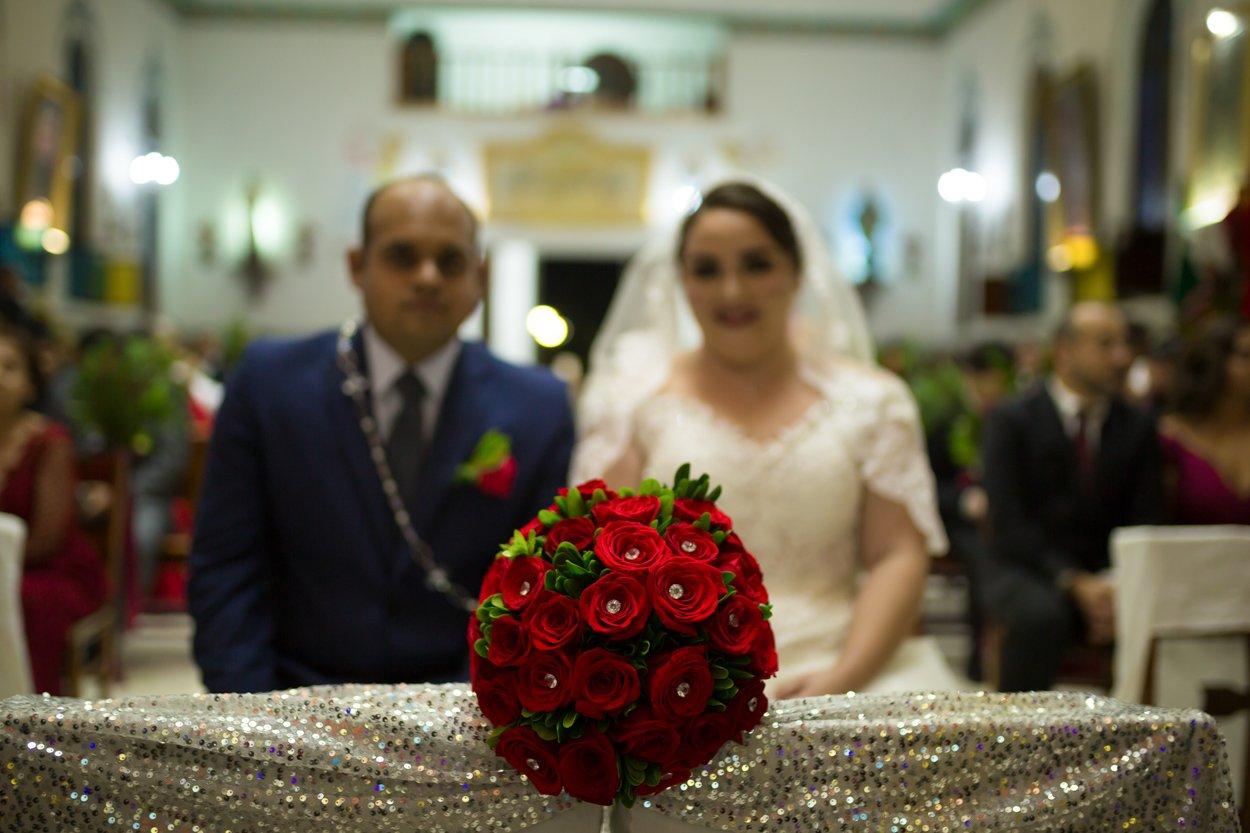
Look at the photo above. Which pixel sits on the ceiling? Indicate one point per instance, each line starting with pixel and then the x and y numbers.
pixel 899 17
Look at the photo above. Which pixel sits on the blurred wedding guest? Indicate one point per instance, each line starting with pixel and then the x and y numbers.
pixel 63 578
pixel 1066 462
pixel 1161 369
pixel 954 446
pixel 1206 434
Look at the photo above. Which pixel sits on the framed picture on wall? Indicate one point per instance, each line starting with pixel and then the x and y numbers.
pixel 1074 152
pixel 47 149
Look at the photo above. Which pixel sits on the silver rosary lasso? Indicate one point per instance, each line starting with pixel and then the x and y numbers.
pixel 355 385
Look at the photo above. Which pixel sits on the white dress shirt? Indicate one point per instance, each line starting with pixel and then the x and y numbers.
pixel 386 366
pixel 1069 404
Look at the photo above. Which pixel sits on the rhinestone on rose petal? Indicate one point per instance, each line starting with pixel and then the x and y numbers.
pixel 676 591
pixel 689 546
pixel 683 690
pixel 550 681
pixel 533 764
pixel 733 620
pixel 753 704
pixel 525 588
pixel 613 606
pixel 632 554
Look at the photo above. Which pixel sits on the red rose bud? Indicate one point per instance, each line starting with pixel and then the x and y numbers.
pixel 684 593
pixel 536 526
pixel 642 509
pixel 498 481
pixel 496 697
pixel 490 582
pixel 644 735
pixel 509 642
pixel 680 683
pixel 545 682
pixel 691 542
pixel 736 626
pixel 616 606
pixel 704 737
pixel 589 769
pixel 580 532
pixel 689 509
pixel 748 707
pixel 522 581
pixel 764 653
pixel 748 580
pixel 630 547
pixel 588 489
pixel 533 757
pixel 604 682
pixel 552 621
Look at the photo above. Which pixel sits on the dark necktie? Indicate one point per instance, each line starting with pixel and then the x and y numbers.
pixel 405 445
pixel 1084 450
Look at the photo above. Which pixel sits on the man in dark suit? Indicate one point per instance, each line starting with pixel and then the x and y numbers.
pixel 299 571
pixel 1065 464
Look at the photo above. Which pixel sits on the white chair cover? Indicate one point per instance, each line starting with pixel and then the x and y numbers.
pixel 14 661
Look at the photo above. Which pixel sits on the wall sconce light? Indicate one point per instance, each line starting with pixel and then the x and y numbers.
pixel 254 270
pixel 960 185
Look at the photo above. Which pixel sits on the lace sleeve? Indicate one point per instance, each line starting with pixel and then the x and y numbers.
pixel 892 459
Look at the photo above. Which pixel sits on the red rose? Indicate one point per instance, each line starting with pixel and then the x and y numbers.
pixel 522 581
pixel 642 509
pixel 680 683
pixel 748 580
pixel 490 582
pixel 509 642
pixel 604 682
pixel 630 547
pixel 764 654
pixel 496 697
pixel 580 532
pixel 536 526
pixel 498 482
pixel 684 593
pixel 589 769
pixel 667 779
pixel 531 756
pixel 704 736
pixel 747 708
pixel 736 626
pixel 552 621
pixel 690 541
pixel 616 606
pixel 647 737
pixel 545 681
pixel 588 489
pixel 689 509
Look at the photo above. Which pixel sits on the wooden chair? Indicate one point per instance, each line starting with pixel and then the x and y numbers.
pixel 176 546
pixel 93 648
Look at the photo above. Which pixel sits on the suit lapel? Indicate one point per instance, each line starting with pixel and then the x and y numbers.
pixel 461 423
pixel 353 451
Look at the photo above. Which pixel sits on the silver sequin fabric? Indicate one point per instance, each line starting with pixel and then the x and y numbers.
pixel 414 758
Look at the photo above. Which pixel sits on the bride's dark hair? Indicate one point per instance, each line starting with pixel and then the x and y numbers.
pixel 744 197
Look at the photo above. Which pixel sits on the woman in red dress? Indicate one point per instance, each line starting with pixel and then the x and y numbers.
pixel 63 578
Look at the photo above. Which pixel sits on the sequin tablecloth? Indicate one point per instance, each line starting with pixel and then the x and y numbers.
pixel 413 759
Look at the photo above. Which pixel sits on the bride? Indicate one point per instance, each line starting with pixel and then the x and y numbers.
pixel 732 345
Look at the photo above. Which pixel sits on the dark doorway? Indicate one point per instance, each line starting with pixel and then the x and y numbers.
pixel 581 291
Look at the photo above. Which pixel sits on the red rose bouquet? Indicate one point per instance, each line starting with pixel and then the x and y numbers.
pixel 621 640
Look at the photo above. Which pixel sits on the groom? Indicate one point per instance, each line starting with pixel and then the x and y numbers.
pixel 299 572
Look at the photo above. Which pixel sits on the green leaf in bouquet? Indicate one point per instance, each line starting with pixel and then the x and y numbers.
pixel 526 712
pixel 653 774
pixel 766 610
pixel 594 566
pixel 715 705
pixel 481 648
pixel 569 719
pixel 720 672
pixel 492 740
pixel 704 522
pixel 728 577
pixel 626 492
pixel 545 732
pixel 719 536
pixel 548 517
pixel 683 473
pixel 700 489
pixel 666 508
pixel 550 580
pixel 566 552
pixel 600 496
pixel 651 487
pixel 575 571
pixel 575 504
pixel 714 495
pixel 740 674
pixel 563 505
pixel 635 778
pixel 724 684
pixel 626 797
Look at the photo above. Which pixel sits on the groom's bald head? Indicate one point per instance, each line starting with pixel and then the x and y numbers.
pixel 427 188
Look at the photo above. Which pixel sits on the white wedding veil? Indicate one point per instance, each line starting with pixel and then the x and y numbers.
pixel 650 323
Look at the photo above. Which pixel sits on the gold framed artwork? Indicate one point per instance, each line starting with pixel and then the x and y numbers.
pixel 1219 157
pixel 47 149
pixel 567 177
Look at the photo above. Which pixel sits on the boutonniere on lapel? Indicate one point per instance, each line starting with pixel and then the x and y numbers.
pixel 491 467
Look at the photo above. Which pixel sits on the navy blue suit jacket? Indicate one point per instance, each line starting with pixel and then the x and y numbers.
pixel 299 575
